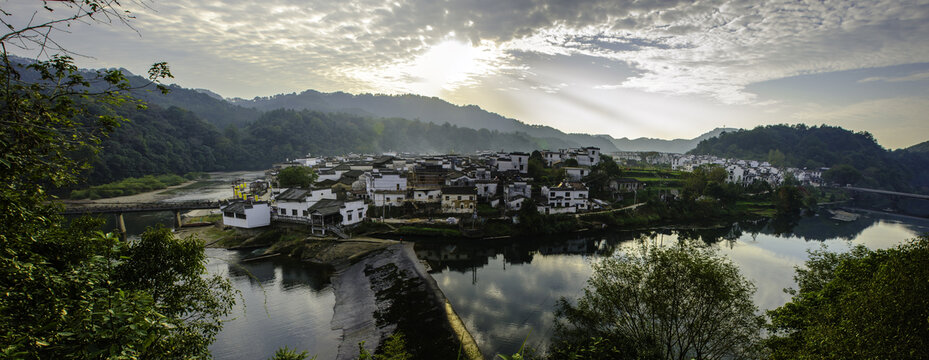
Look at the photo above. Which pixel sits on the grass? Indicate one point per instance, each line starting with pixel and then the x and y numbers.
pixel 129 186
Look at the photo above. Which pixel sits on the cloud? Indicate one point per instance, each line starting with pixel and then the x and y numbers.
pixel 713 48
pixel 912 77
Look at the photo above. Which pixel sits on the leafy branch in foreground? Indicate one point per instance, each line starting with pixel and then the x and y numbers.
pixel 69 291
pixel 865 304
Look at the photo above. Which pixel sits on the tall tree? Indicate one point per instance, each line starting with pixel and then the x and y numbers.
pixel 297 176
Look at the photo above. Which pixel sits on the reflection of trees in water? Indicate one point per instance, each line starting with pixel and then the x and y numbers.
pixel 465 255
pixel 294 274
pixel 257 272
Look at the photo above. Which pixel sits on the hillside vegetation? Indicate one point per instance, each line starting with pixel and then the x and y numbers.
pixel 854 157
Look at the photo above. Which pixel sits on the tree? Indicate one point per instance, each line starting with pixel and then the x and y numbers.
pixel 678 302
pixel 788 200
pixel 67 289
pixel 297 176
pixel 843 174
pixel 863 304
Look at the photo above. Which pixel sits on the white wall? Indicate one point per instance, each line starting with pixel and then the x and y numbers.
pixel 353 212
pixel 257 216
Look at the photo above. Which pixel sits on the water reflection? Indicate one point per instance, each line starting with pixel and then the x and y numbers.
pixel 504 291
pixel 284 303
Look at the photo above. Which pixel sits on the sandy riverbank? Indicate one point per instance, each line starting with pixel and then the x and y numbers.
pixel 151 196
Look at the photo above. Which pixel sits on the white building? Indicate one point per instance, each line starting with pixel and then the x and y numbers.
pixel 459 200
pixel 513 161
pixel 295 202
pixel 247 215
pixel 427 195
pixel 384 180
pixel 517 188
pixel 569 197
pixel 576 173
pixel 486 188
pixel 588 156
pixel 388 198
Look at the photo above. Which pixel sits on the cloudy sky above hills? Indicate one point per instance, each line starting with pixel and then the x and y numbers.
pixel 656 68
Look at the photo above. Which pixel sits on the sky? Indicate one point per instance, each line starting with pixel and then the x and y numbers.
pixel 639 68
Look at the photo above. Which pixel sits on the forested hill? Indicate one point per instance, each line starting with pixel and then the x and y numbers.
pixel 173 140
pixel 427 109
pixel 921 147
pixel 868 163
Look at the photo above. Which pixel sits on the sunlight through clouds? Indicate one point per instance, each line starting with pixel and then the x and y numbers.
pixel 445 66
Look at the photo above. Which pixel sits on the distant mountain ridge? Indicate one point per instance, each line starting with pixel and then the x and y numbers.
pixel 438 111
pixel 662 145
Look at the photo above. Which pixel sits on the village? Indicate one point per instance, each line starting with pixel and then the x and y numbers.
pixel 452 188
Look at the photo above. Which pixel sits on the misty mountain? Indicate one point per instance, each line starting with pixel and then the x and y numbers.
pixel 661 145
pixel 426 109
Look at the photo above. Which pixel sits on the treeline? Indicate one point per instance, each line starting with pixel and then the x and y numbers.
pixel 814 147
pixel 172 140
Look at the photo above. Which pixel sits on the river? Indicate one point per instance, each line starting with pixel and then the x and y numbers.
pixel 504 291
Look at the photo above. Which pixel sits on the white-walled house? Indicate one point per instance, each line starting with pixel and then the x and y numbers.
pixel 427 195
pixel 570 196
pixel 576 173
pixel 243 214
pixel 385 180
pixel 486 188
pixel 517 161
pixel 388 198
pixel 588 156
pixel 295 201
pixel 460 200
pixel 517 188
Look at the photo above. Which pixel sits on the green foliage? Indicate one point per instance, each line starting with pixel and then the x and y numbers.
pixel 680 301
pixel 842 175
pixel 70 292
pixel 863 304
pixel 598 180
pixel 297 176
pixel 129 186
pixel 286 353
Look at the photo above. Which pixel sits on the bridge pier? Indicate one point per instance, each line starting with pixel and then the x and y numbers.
pixel 177 219
pixel 121 226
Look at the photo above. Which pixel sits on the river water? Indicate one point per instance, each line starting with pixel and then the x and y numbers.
pixel 504 291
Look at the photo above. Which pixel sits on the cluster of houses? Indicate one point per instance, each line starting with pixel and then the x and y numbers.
pixel 749 171
pixel 451 184
pixel 740 171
